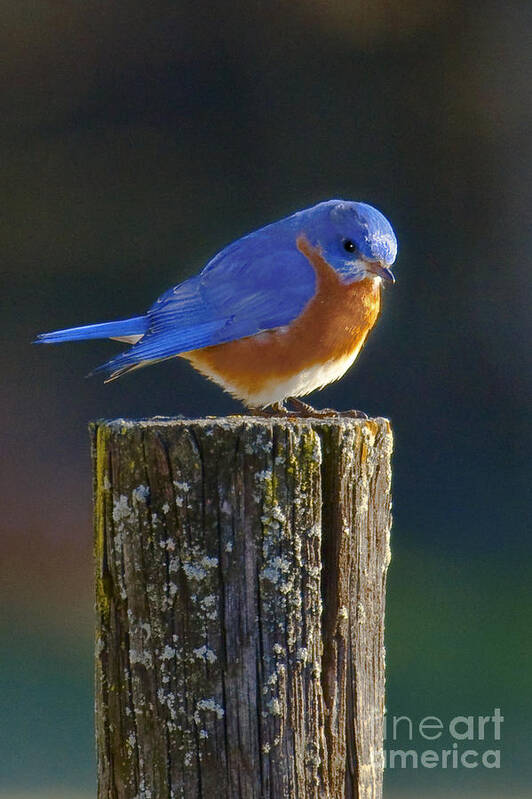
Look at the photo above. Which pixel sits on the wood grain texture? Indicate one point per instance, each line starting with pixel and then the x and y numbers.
pixel 240 586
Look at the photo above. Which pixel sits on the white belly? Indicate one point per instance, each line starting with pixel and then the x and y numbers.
pixel 297 385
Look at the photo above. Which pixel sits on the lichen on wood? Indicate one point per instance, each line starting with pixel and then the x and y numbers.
pixel 240 579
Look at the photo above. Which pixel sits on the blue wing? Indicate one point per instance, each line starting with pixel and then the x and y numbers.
pixel 248 287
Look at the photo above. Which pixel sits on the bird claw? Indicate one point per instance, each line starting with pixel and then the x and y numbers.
pixel 303 409
pixel 276 409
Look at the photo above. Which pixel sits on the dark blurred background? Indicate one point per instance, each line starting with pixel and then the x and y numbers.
pixel 137 140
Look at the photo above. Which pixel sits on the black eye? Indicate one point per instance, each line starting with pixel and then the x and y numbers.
pixel 349 246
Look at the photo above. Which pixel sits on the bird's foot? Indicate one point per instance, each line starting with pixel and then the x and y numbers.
pixel 303 409
pixel 270 411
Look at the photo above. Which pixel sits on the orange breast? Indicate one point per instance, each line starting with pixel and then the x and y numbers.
pixel 333 325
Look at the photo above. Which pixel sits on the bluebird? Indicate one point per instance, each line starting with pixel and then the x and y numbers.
pixel 273 316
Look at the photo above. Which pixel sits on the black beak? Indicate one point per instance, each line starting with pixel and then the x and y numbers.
pixel 381 271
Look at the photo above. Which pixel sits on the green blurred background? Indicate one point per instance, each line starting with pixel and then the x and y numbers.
pixel 136 140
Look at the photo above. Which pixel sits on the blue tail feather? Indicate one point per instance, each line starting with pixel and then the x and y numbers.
pixel 136 326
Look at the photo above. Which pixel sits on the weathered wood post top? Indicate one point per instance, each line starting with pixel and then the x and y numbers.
pixel 240 589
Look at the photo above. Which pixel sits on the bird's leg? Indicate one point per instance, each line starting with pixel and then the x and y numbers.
pixel 307 411
pixel 275 409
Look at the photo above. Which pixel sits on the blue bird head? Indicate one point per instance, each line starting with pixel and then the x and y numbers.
pixel 356 239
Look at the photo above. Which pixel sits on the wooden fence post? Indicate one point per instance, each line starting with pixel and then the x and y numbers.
pixel 240 587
